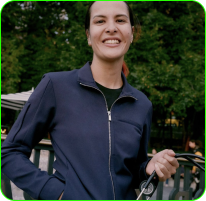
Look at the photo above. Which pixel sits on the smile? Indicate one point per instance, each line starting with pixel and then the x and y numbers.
pixel 112 41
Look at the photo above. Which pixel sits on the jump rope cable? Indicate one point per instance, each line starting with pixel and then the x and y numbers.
pixel 149 186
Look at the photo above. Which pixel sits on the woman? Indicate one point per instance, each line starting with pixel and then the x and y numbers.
pixel 100 141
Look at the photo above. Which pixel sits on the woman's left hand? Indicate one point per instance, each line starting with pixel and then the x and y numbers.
pixel 164 163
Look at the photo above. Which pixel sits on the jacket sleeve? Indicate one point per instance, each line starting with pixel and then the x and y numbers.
pixel 142 155
pixel 34 121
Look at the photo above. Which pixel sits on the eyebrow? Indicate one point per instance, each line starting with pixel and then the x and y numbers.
pixel 119 15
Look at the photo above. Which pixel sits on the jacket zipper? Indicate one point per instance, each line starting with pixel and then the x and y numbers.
pixel 110 139
pixel 110 150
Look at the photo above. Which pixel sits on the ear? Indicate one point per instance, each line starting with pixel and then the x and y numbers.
pixel 132 39
pixel 88 38
pixel 132 33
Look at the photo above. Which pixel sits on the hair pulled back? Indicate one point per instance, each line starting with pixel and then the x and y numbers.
pixel 137 29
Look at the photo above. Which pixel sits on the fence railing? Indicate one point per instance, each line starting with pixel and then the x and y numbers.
pixel 175 194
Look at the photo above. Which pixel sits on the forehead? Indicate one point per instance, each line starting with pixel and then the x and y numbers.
pixel 109 8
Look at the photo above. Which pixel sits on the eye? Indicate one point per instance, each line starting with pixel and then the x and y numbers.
pixel 99 21
pixel 120 20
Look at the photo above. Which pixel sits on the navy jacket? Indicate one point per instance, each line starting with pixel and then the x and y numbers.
pixel 100 154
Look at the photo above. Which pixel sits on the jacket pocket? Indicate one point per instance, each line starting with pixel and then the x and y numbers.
pixel 133 123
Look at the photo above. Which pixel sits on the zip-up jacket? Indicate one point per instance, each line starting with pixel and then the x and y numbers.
pixel 100 154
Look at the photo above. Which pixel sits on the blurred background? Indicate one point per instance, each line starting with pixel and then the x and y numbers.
pixel 167 62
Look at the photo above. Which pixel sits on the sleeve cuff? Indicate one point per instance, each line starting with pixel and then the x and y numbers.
pixel 142 173
pixel 52 189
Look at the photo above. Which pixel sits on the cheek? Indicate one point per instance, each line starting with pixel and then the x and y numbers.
pixel 95 32
pixel 95 38
pixel 129 36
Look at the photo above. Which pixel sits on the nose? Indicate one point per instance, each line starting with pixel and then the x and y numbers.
pixel 111 27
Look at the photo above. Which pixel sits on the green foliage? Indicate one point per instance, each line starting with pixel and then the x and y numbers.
pixel 10 66
pixel 51 34
pixel 166 63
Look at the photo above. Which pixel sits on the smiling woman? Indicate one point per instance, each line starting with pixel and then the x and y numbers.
pixel 121 18
pixel 98 123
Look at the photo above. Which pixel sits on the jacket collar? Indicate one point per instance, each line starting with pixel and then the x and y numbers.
pixel 85 77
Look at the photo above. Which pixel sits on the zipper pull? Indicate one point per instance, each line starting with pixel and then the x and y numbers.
pixel 109 115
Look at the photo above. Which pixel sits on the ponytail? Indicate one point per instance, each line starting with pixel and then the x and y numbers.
pixel 125 69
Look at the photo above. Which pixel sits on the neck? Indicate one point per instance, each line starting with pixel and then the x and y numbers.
pixel 107 73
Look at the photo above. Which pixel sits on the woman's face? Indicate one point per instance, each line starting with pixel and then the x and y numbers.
pixel 110 33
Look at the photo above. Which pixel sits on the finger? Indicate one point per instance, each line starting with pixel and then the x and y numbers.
pixel 165 163
pixel 159 173
pixel 171 165
pixel 170 152
pixel 172 160
pixel 164 170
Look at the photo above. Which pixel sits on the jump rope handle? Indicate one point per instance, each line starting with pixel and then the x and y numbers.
pixel 154 174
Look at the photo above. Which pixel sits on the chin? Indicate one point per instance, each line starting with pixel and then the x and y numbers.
pixel 113 58
pixel 109 56
pixel 113 55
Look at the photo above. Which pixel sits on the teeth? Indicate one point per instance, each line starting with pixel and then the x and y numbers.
pixel 111 42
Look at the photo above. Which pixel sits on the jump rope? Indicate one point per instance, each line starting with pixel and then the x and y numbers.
pixel 148 187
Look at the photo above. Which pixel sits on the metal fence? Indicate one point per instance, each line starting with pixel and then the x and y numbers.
pixel 175 194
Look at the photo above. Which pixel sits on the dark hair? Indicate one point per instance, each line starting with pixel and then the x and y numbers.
pixel 198 143
pixel 137 28
pixel 193 141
